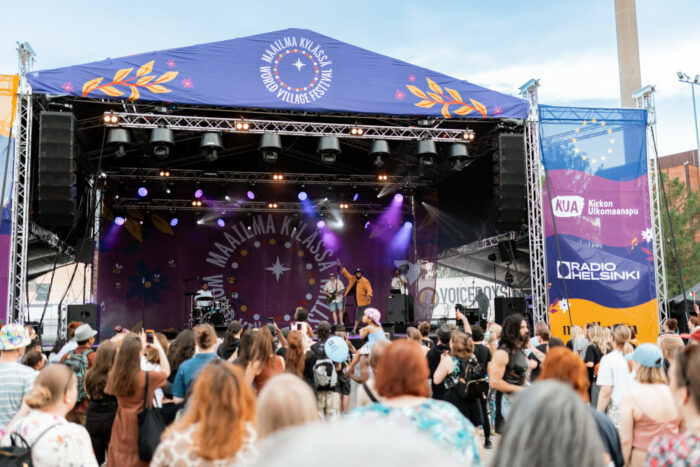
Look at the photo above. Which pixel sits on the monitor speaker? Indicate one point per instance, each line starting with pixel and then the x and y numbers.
pixel 506 306
pixel 84 250
pixel 87 313
pixel 510 183
pixel 399 308
pixel 56 169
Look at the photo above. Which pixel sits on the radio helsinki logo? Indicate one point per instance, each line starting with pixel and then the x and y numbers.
pixel 593 272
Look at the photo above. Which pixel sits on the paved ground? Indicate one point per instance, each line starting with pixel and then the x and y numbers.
pixel 489 454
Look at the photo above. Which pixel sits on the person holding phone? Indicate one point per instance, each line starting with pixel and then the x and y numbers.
pixel 300 324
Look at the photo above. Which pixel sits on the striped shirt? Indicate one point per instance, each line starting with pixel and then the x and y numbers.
pixel 17 380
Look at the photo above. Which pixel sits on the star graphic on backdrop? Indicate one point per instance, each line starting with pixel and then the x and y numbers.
pixel 278 269
pixel 298 64
pixel 647 234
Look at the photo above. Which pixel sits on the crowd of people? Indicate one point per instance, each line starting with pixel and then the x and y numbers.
pixel 270 396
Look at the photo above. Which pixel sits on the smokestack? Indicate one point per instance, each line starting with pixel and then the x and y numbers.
pixel 627 50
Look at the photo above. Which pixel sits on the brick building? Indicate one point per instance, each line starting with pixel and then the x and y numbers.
pixel 683 166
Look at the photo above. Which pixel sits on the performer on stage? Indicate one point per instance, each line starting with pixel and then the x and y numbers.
pixel 203 299
pixel 361 288
pixel 399 284
pixel 334 289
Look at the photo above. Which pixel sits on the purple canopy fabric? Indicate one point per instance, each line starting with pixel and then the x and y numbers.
pixel 291 69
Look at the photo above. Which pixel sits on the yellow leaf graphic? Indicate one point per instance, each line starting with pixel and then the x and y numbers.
pixel 121 74
pixel 165 77
pixel 147 68
pixel 464 110
pixel 416 91
pixel 481 108
pixel 90 86
pixel 446 110
pixel 157 88
pixel 111 91
pixel 134 228
pixel 134 93
pixel 144 80
pixel 436 97
pixel 133 214
pixel 426 104
pixel 162 225
pixel 455 95
pixel 434 86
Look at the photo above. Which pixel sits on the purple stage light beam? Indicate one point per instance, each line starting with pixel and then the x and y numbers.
pixel 199 193
pixel 119 220
pixel 250 194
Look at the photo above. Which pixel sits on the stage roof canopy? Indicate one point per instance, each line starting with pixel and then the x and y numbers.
pixel 290 69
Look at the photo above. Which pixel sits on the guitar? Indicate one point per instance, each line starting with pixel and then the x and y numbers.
pixel 330 297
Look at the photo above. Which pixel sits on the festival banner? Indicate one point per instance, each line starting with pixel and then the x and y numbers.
pixel 264 266
pixel 8 106
pixel 597 219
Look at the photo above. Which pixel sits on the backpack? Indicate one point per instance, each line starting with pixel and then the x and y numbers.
pixel 325 376
pixel 78 362
pixel 472 382
pixel 19 453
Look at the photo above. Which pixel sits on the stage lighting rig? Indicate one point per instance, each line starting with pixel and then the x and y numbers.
pixel 164 173
pixel 344 206
pixel 119 138
pixel 357 131
pixel 458 156
pixel 426 152
pixel 272 205
pixel 382 177
pixel 110 119
pixel 242 125
pixel 196 203
pixel 211 145
pixel 270 147
pixel 277 176
pixel 161 141
pixel 468 136
pixel 328 149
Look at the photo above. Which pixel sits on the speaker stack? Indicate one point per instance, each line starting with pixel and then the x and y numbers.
pixel 85 314
pixel 506 306
pixel 510 183
pixel 56 169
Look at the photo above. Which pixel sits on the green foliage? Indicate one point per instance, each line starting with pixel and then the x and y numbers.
pixel 684 210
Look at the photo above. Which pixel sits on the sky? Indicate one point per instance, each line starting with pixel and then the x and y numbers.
pixel 570 46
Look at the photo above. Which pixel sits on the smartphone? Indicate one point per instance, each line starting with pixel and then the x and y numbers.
pixel 271 320
pixel 150 335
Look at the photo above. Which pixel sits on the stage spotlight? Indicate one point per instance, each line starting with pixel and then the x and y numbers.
pixel 382 177
pixel 458 156
pixel 196 203
pixel 227 198
pixel 357 131
pixel 198 193
pixel 173 221
pixel 250 194
pixel 119 220
pixel 164 173
pixel 111 119
pixel 426 152
pixel 303 196
pixel 367 224
pixel 220 222
pixel 328 149
pixel 344 206
pixel 161 141
pixel 210 146
pixel 272 205
pixel 398 197
pixel 379 149
pixel 355 196
pixel 426 161
pixel 142 191
pixel 408 224
pixel 119 138
pixel 270 147
pixel 424 122
pixel 468 135
pixel 242 125
pixel 321 224
pixel 278 177
pixel 200 221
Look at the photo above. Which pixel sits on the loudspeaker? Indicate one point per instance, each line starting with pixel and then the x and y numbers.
pixel 399 308
pixel 506 306
pixel 84 250
pixel 56 169
pixel 472 315
pixel 87 313
pixel 510 183
pixel 388 328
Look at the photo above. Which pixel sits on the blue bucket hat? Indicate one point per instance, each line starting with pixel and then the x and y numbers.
pixel 647 355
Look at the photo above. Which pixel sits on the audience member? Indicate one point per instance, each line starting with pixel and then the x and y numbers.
pixel 80 360
pixel 295 357
pixel 594 353
pixel 232 340
pixel 537 352
pixel 614 377
pixel 483 355
pixel 415 335
pixel 205 350
pixel 492 336
pixel 444 334
pixel 53 439
pixel 324 374
pixel 217 428
pixel 71 344
pixel 554 342
pixel 367 392
pixel 578 342
pixel 669 328
pixel 401 379
pixel 670 346
pixel 263 354
pixel 549 426
pixel 683 449
pixel 286 401
pixel 245 348
pixel 373 331
pixel 424 329
pixel 180 350
pixel 57 346
pixel 300 324
pixel 564 365
pixel 16 380
pixel 103 407
pixel 150 361
pixel 640 421
pixel 34 360
pixel 127 382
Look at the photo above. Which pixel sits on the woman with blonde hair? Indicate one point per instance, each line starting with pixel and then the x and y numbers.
pixel 640 420
pixel 415 335
pixel 53 439
pixel 286 401
pixel 217 428
pixel 594 353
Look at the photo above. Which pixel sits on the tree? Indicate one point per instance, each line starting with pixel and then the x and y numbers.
pixel 684 211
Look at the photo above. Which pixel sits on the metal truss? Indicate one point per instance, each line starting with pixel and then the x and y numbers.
pixel 644 99
pixel 477 246
pixel 160 204
pixel 17 295
pixel 51 239
pixel 284 127
pixel 535 217
pixel 222 176
pixel 579 114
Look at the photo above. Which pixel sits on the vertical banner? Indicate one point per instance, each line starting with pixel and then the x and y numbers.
pixel 8 106
pixel 597 219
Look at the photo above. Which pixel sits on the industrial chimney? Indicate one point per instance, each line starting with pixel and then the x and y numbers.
pixel 627 50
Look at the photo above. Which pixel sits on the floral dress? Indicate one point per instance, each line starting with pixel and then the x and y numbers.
pixel 58 441
pixel 682 450
pixel 439 420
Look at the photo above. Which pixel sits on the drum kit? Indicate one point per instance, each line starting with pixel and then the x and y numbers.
pixel 215 312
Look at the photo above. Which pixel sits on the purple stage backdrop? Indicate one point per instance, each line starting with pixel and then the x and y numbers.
pixel 145 266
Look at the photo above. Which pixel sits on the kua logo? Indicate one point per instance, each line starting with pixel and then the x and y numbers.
pixel 568 206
